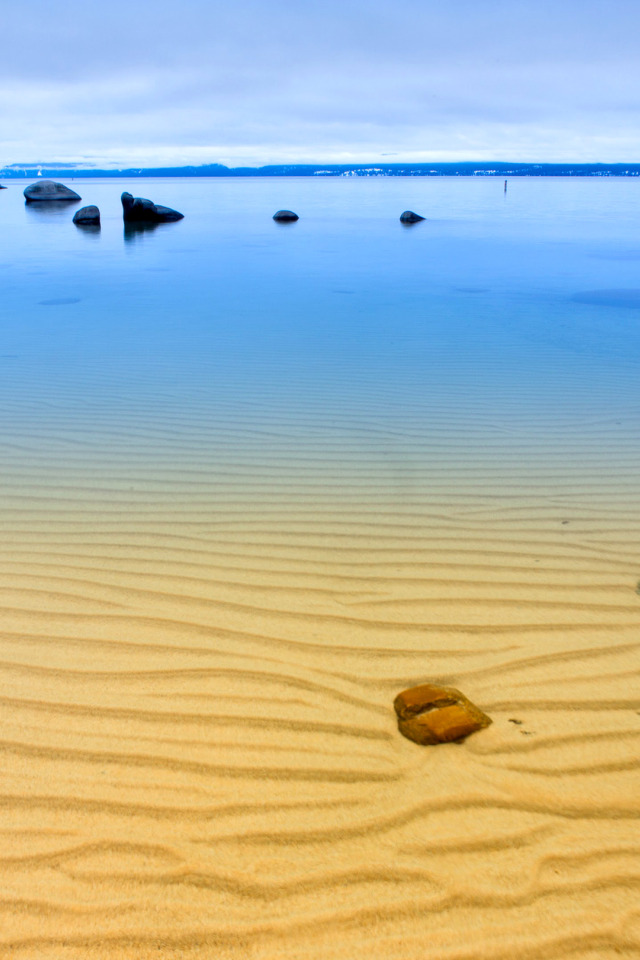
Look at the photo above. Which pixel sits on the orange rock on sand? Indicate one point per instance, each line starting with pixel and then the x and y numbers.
pixel 429 714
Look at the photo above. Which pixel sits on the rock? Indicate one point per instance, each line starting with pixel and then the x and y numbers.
pixel 87 215
pixel 430 714
pixel 49 190
pixel 285 216
pixel 139 210
pixel 410 217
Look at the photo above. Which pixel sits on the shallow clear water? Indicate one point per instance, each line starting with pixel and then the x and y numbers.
pixel 499 329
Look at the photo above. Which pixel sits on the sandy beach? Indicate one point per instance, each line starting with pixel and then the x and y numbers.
pixel 199 751
pixel 319 381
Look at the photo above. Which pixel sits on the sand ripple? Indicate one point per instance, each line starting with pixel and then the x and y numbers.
pixel 203 629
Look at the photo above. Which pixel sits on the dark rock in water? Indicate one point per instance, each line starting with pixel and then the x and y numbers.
pixel 49 190
pixel 429 714
pixel 285 216
pixel 410 217
pixel 2 187
pixel 87 215
pixel 139 210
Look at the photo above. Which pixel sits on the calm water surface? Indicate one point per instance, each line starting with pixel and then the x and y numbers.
pixel 343 350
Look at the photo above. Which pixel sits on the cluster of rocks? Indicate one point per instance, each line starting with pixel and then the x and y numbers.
pixel 134 209
pixel 138 209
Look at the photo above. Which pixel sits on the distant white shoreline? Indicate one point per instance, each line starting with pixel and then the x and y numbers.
pixel 498 170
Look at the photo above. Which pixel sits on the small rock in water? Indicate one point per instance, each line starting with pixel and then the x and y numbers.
pixel 87 215
pixel 285 215
pixel 49 190
pixel 410 217
pixel 429 714
pixel 139 210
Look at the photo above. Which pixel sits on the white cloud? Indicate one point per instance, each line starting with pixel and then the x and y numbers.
pixel 281 80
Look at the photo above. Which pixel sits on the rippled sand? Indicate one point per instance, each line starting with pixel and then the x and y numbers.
pixel 203 630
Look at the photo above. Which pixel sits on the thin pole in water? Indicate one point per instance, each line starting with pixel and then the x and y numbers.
pixel 505 186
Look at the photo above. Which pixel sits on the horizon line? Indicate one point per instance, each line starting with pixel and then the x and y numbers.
pixel 365 168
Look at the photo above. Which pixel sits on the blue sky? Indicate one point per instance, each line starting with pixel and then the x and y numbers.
pixel 268 81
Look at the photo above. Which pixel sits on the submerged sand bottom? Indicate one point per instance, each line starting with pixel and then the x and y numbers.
pixel 199 750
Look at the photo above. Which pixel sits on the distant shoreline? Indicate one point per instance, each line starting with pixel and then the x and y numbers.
pixel 466 169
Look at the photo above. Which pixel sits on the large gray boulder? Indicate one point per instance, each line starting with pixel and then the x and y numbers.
pixel 139 210
pixel 49 190
pixel 87 216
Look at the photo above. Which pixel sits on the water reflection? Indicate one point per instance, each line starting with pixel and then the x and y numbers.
pixel 49 208
pixel 89 229
pixel 134 232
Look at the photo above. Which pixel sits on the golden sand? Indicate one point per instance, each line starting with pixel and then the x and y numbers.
pixel 199 751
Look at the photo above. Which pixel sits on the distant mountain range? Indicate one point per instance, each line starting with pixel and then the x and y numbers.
pixel 467 169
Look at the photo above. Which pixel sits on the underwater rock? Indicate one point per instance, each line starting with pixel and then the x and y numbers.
pixel 49 190
pixel 139 210
pixel 285 215
pixel 430 714
pixel 410 217
pixel 87 215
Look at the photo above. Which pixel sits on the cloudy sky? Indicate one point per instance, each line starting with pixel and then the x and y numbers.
pixel 267 81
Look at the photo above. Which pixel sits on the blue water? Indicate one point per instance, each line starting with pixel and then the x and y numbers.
pixel 486 271
pixel 504 324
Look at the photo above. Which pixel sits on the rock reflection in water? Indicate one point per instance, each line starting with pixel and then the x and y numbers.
pixel 134 232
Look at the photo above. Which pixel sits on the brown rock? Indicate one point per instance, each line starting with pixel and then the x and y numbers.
pixel 430 714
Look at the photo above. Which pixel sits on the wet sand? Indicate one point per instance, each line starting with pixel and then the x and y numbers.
pixel 202 635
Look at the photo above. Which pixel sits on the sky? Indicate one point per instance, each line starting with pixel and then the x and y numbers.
pixel 252 82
